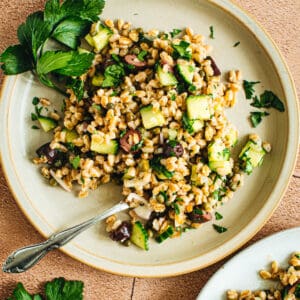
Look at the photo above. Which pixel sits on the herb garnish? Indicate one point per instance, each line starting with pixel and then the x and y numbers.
pixel 219 229
pixel 175 32
pixel 187 124
pixel 164 195
pixel 66 23
pixel 268 99
pixel 249 88
pixel 176 208
pixel 141 55
pixel 75 162
pixel 182 50
pixel 35 100
pixel 236 44
pixel 35 127
pixel 218 216
pixel 57 289
pixel 256 117
pixel 212 33
pixel 159 168
pixel 137 146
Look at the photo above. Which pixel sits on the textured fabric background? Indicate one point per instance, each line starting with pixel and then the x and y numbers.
pixel 281 18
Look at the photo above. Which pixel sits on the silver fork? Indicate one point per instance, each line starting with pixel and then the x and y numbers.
pixel 24 258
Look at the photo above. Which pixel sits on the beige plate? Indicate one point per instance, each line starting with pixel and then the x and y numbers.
pixel 50 209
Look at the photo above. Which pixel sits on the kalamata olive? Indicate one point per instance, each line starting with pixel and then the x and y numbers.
pixel 214 66
pixel 199 216
pixel 172 148
pixel 51 154
pixel 132 59
pixel 131 141
pixel 122 233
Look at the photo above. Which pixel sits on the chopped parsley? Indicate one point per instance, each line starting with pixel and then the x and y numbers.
pixel 268 99
pixel 236 44
pixel 212 33
pixel 35 127
pixel 249 88
pixel 219 229
pixel 176 208
pixel 257 116
pixel 141 55
pixel 137 146
pixel 34 117
pixel 175 32
pixel 96 106
pixel 182 50
pixel 159 169
pixel 35 101
pixel 122 133
pixel 192 88
pixel 164 195
pixel 173 97
pixel 187 124
pixel 75 162
pixel 218 216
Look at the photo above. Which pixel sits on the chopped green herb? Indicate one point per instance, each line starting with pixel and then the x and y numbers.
pixel 159 168
pixel 297 291
pixel 268 99
pixel 175 32
pixel 141 55
pixel 219 229
pixel 236 44
pixel 176 208
pixel 198 211
pixel 297 255
pixel 113 75
pixel 173 97
pixel 164 195
pixel 123 132
pixel 34 117
pixel 77 86
pixel 192 88
pixel 137 146
pixel 256 117
pixel 249 88
pixel 182 50
pixel 187 124
pixel 75 162
pixel 218 216
pixel 35 101
pixel 35 127
pixel 211 34
pixel 113 94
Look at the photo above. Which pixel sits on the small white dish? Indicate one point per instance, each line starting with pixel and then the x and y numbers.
pixel 241 272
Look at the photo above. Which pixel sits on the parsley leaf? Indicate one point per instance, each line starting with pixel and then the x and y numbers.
pixel 218 216
pixel 176 208
pixel 269 99
pixel 113 75
pixel 159 168
pixel 248 88
pixel 75 162
pixel 182 50
pixel 236 44
pixel 20 293
pixel 15 60
pixel 187 124
pixel 33 33
pixel 53 13
pixel 211 34
pixel 35 127
pixel 175 32
pixel 77 85
pixel 141 55
pixel 219 229
pixel 71 63
pixel 256 117
pixel 164 195
pixel 137 146
pixel 61 289
pixel 69 31
pixel 35 100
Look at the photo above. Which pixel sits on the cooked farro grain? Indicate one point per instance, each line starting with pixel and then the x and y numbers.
pixel 152 117
pixel 287 282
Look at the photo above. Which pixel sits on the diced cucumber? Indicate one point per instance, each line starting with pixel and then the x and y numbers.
pixel 166 78
pixel 199 107
pixel 102 147
pixel 71 135
pixel 251 156
pixel 151 118
pixel 223 168
pixel 100 39
pixel 217 151
pixel 197 125
pixel 232 137
pixel 97 80
pixel 172 134
pixel 165 235
pixel 139 236
pixel 186 71
pixel 47 123
pixel 219 158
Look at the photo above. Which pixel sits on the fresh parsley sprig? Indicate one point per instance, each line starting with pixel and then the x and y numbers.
pixel 65 23
pixel 249 88
pixel 57 289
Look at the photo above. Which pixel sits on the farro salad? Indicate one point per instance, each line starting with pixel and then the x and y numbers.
pixel 149 114
pixel 288 280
